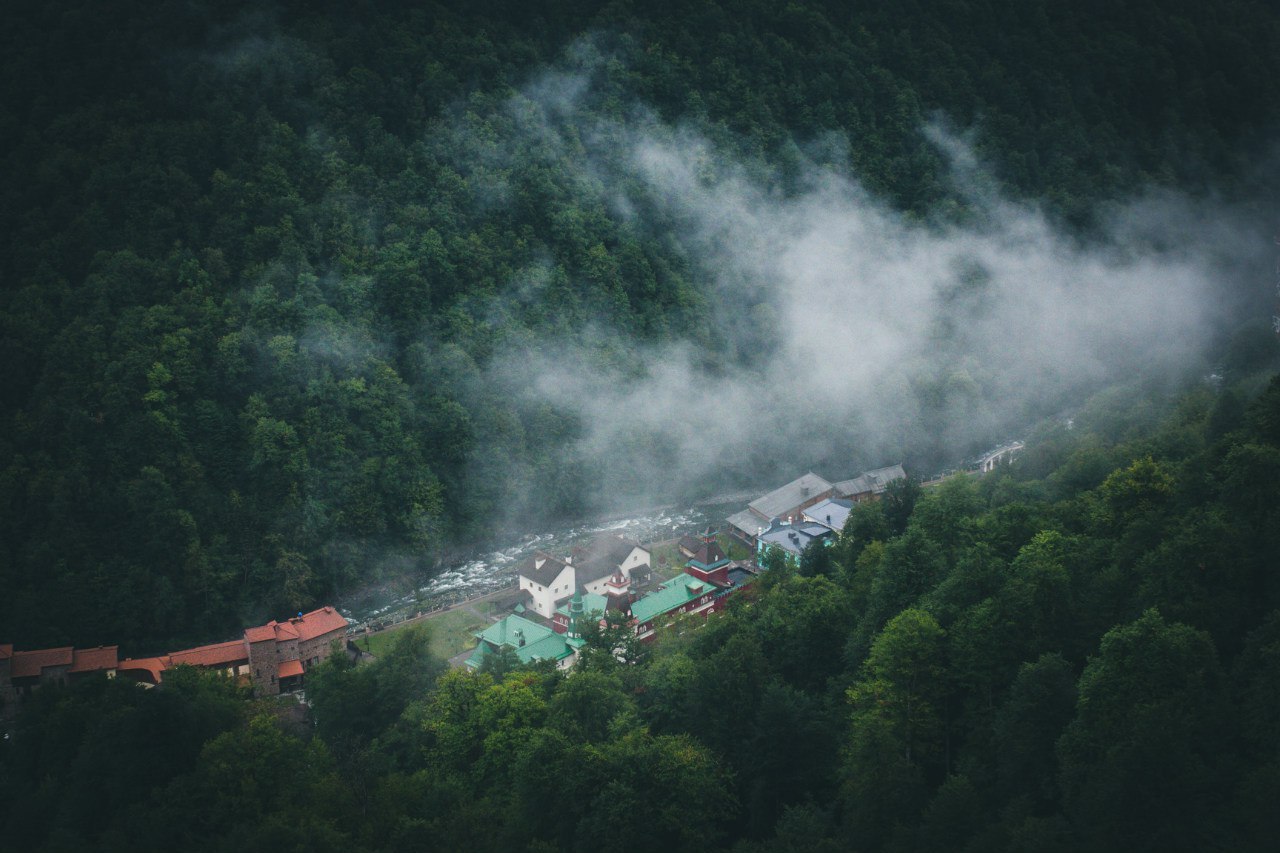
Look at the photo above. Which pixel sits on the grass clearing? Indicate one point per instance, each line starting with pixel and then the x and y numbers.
pixel 451 634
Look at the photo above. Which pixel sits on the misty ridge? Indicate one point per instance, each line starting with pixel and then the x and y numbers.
pixel 843 335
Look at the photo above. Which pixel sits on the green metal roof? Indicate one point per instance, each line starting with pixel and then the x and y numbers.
pixel 553 647
pixel 540 642
pixel 678 591
pixel 503 632
pixel 478 656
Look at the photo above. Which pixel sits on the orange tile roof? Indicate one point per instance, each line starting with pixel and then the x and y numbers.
pixel 320 622
pixel 154 666
pixel 308 626
pixel 93 660
pixel 218 654
pixel 290 668
pixel 27 664
pixel 6 651
pixel 261 632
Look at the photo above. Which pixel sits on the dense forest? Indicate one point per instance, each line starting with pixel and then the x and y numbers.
pixel 257 258
pixel 1076 652
pixel 264 269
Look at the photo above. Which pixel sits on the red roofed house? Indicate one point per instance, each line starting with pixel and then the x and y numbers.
pixel 281 652
pixel 22 672
pixel 274 656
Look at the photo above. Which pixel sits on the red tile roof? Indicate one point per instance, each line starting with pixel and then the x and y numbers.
pixel 6 651
pixel 290 668
pixel 154 666
pixel 305 627
pixel 94 660
pixel 27 664
pixel 320 622
pixel 260 633
pixel 218 654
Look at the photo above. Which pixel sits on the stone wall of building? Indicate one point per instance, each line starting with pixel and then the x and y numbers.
pixel 263 664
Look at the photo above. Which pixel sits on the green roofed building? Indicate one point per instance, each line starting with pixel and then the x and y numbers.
pixel 529 640
pixel 682 594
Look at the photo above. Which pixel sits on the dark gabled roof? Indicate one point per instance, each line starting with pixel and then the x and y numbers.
pixel 708 555
pixel 590 570
pixel 611 547
pixel 601 557
pixel 781 501
pixel 544 574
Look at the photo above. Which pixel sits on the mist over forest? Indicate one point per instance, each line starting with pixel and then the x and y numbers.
pixel 298 299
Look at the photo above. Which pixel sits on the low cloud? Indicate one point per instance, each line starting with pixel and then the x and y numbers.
pixel 849 336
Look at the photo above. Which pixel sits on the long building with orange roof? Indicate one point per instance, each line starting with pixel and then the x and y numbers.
pixel 274 657
pixel 21 672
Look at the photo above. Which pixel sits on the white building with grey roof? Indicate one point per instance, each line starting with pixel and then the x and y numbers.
pixel 550 581
pixel 792 501
pixel 787 502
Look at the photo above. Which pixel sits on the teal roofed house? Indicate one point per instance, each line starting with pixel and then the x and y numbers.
pixel 682 594
pixel 532 641
pixel 529 640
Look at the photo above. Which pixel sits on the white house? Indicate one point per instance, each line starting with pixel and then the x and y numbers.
pixel 550 581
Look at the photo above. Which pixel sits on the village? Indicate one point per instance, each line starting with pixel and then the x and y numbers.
pixel 541 616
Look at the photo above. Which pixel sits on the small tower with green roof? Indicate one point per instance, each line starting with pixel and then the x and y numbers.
pixel 577 613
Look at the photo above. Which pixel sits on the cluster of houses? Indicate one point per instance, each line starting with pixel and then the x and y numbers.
pixel 800 499
pixel 273 658
pixel 560 596
pixel 806 510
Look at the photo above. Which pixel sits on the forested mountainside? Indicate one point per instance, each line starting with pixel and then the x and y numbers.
pixel 257 258
pixel 1076 652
